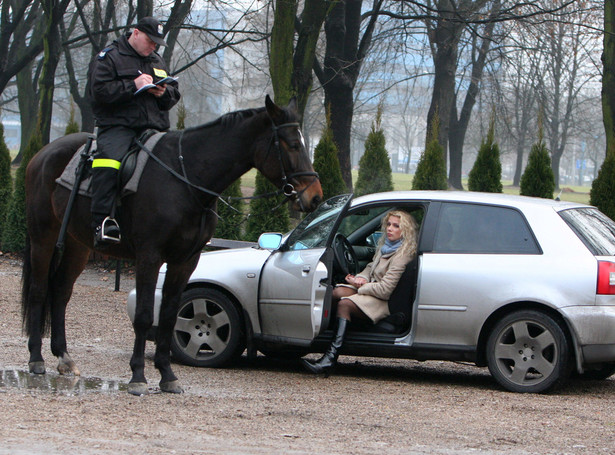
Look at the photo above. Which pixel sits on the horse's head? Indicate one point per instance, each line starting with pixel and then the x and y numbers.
pixel 286 161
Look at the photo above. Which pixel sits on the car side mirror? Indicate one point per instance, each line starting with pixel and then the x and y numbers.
pixel 270 240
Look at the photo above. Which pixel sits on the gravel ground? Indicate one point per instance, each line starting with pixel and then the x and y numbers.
pixel 266 406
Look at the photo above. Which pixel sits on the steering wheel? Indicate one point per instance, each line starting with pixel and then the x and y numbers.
pixel 345 256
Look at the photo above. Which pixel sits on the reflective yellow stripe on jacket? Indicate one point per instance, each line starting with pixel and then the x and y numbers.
pixel 103 162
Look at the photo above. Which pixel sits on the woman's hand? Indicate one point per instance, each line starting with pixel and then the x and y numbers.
pixel 356 281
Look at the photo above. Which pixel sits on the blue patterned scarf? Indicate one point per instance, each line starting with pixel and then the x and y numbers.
pixel 390 247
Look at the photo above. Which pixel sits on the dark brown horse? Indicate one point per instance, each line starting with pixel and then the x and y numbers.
pixel 169 219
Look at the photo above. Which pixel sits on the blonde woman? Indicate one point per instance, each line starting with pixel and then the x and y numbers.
pixel 366 295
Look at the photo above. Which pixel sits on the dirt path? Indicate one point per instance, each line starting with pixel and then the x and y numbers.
pixel 369 406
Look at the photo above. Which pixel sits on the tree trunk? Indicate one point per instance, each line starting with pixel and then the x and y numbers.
pixel 27 100
pixel 446 40
pixel 312 18
pixel 344 55
pixel 281 56
pixel 459 126
pixel 54 12
pixel 608 76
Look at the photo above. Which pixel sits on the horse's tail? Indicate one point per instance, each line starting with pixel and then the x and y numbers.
pixel 26 301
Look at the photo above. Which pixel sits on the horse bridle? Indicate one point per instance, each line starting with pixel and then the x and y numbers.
pixel 287 188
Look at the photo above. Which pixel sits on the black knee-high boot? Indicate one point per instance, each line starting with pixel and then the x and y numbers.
pixel 329 359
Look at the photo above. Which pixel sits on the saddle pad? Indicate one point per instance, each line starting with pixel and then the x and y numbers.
pixel 67 179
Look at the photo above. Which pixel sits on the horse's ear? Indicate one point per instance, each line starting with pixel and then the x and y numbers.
pixel 273 109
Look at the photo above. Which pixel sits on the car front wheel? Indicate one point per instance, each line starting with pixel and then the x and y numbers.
pixel 527 351
pixel 208 331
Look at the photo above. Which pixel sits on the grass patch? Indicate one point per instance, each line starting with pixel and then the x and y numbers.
pixel 403 182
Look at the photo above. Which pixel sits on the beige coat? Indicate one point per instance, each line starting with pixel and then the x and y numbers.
pixel 382 278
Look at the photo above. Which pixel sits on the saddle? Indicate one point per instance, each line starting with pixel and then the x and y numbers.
pixel 131 167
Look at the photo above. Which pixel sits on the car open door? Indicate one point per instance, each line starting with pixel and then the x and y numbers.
pixel 295 283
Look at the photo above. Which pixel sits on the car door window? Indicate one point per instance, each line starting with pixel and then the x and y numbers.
pixel 483 229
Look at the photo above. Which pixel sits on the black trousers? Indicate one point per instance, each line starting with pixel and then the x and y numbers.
pixel 112 145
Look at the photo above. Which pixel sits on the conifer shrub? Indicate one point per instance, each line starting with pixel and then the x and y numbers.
pixel 72 126
pixel 375 173
pixel 603 187
pixel 230 215
pixel 181 116
pixel 327 164
pixel 537 179
pixel 486 174
pixel 267 214
pixel 6 181
pixel 14 231
pixel 431 169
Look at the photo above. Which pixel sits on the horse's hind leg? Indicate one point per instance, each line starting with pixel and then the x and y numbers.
pixel 35 301
pixel 73 262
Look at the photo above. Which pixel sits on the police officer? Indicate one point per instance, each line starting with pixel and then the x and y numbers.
pixel 116 73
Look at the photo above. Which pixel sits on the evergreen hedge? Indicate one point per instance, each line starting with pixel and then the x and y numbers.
pixel 268 214
pixel 537 179
pixel 431 169
pixel 14 231
pixel 230 218
pixel 6 181
pixel 327 164
pixel 375 173
pixel 603 188
pixel 72 126
pixel 486 174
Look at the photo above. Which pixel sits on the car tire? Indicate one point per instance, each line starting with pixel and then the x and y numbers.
pixel 208 331
pixel 598 373
pixel 527 351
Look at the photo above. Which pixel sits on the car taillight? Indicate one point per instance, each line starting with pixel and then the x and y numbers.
pixel 606 278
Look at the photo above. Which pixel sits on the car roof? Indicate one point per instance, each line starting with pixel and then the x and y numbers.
pixel 466 196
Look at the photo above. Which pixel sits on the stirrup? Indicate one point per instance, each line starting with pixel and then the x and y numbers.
pixel 110 223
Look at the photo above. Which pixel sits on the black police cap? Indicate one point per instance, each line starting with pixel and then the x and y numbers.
pixel 152 28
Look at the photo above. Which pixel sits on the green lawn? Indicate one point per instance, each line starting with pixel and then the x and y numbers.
pixel 404 182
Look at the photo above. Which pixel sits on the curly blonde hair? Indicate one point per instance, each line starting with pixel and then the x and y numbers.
pixel 409 231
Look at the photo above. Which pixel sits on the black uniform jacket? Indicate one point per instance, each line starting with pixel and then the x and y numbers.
pixel 112 88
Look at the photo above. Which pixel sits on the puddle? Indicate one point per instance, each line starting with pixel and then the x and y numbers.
pixel 65 385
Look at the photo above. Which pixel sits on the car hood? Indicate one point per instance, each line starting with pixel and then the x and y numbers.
pixel 229 268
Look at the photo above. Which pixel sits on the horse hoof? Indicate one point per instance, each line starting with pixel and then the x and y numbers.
pixel 68 367
pixel 171 387
pixel 138 388
pixel 37 367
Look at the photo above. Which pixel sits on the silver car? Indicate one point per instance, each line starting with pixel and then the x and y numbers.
pixel 524 286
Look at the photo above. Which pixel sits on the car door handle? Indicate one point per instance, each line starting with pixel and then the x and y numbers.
pixel 306 269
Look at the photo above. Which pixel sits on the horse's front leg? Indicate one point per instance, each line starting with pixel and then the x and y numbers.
pixel 146 277
pixel 175 281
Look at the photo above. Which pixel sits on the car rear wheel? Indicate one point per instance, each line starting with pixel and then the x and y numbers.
pixel 527 351
pixel 208 331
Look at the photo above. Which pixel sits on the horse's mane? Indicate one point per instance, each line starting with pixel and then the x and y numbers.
pixel 228 120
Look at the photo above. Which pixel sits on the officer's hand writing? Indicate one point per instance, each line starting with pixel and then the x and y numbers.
pixel 142 80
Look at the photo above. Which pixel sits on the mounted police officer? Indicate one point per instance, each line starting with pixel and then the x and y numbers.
pixel 116 73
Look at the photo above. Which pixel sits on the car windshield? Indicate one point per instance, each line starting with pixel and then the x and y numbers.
pixel 596 230
pixel 315 228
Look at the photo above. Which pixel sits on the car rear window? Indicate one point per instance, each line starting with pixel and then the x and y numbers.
pixel 595 229
pixel 483 229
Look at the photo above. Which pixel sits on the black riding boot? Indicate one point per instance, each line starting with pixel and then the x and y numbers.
pixel 329 359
